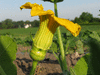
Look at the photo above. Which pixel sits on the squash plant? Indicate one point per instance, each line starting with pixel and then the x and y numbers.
pixel 88 64
pixel 42 41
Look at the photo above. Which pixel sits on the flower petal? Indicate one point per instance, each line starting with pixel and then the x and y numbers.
pixel 37 10
pixel 73 28
pixel 40 12
pixel 27 5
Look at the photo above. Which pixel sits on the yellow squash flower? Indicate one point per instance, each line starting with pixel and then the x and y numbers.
pixel 48 24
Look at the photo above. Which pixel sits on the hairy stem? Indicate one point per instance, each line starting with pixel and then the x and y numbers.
pixel 34 64
pixel 63 61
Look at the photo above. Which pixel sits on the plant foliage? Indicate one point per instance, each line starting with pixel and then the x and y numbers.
pixel 82 67
pixel 90 63
pixel 8 49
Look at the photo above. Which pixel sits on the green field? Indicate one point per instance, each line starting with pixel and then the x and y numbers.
pixel 19 32
pixel 26 32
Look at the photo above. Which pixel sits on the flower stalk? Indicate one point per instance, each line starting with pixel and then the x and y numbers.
pixel 63 62
pixel 34 64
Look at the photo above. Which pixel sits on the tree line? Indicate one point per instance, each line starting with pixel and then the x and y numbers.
pixel 9 23
pixel 84 18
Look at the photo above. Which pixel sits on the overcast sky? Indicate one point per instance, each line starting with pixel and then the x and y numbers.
pixel 68 9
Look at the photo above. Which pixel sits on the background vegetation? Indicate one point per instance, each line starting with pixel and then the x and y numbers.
pixel 85 18
pixel 16 30
pixel 9 23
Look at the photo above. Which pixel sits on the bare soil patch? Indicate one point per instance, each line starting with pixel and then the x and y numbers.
pixel 49 66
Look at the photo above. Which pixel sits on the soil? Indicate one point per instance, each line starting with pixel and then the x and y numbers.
pixel 49 66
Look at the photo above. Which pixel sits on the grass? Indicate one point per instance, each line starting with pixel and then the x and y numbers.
pixel 22 33
pixel 91 27
pixel 85 27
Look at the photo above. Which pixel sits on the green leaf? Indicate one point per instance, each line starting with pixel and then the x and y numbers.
pixel 54 47
pixel 95 56
pixel 68 34
pixel 8 49
pixel 2 71
pixel 88 34
pixel 95 35
pixel 82 67
pixel 70 51
pixel 79 46
pixel 72 71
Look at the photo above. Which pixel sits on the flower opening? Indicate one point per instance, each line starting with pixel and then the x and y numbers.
pixel 48 25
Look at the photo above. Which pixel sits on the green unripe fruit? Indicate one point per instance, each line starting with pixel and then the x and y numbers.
pixel 37 54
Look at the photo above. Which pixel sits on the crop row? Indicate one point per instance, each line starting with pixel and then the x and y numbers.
pixel 71 44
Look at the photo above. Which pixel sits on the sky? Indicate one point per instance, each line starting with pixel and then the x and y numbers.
pixel 68 9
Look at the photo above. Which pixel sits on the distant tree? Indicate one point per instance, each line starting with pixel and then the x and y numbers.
pixel 32 23
pixel 36 23
pixel 27 22
pixel 15 24
pixel 0 25
pixel 96 19
pixel 85 16
pixel 21 23
pixel 7 23
pixel 77 20
pixel 3 25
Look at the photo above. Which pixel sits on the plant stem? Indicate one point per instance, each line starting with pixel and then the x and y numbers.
pixel 64 64
pixel 59 60
pixel 34 64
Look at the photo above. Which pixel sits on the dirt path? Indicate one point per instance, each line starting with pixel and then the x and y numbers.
pixel 48 66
